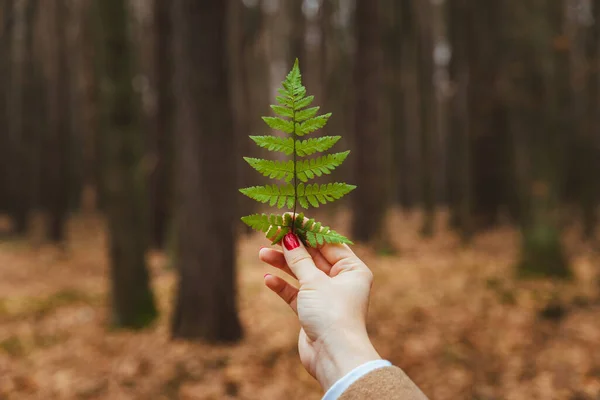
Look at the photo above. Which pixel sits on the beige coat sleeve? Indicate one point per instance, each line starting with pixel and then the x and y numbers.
pixel 389 383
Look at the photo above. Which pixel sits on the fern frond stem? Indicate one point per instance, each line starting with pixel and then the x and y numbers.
pixel 295 174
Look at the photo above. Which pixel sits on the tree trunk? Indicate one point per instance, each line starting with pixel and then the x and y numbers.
pixel 370 202
pixel 590 197
pixel 132 299
pixel 257 72
pixel 206 298
pixel 15 133
pixel 459 162
pixel 423 14
pixel 161 147
pixel 6 45
pixel 59 132
pixel 16 139
pixel 410 160
pixel 540 93
pixel 326 33
pixel 90 110
pixel 394 41
pixel 242 36
pixel 338 87
pixel 23 165
pixel 488 138
pixel 94 58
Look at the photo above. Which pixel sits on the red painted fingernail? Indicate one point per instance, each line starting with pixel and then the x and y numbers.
pixel 291 241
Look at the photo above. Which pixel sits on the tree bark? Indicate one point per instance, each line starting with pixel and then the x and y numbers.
pixel 242 35
pixel 590 198
pixel 92 174
pixel 423 14
pixel 371 200
pixel 488 138
pixel 540 93
pixel 338 88
pixel 394 40
pixel 162 143
pixel 410 71
pixel 326 34
pixel 6 42
pixel 23 165
pixel 132 300
pixel 206 298
pixel 459 160
pixel 59 132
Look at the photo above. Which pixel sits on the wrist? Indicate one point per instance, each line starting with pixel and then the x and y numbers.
pixel 340 353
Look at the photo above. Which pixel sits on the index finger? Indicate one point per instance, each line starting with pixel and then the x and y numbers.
pixel 335 253
pixel 343 259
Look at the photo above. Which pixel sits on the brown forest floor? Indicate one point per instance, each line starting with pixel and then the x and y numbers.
pixel 452 317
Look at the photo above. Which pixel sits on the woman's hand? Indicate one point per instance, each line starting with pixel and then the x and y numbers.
pixel 331 304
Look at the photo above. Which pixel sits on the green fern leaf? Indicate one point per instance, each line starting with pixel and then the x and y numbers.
pixel 314 145
pixel 308 169
pixel 283 111
pixel 298 93
pixel 282 232
pixel 305 102
pixel 325 193
pixel 262 222
pixel 285 101
pixel 306 114
pixel 272 194
pixel 304 148
pixel 275 143
pixel 274 226
pixel 293 78
pixel 295 117
pixel 326 235
pixel 288 220
pixel 311 125
pixel 279 124
pixel 315 234
pixel 273 169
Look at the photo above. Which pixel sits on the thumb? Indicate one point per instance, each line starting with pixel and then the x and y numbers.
pixel 299 260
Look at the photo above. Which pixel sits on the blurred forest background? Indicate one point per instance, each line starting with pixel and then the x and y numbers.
pixel 475 135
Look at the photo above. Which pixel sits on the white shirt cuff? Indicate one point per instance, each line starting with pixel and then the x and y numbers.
pixel 344 383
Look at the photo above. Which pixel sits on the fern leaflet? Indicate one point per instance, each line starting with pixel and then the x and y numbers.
pixel 318 145
pixel 308 169
pixel 274 143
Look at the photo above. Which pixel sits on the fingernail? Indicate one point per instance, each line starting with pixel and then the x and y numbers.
pixel 291 241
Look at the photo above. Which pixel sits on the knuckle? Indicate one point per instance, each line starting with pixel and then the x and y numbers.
pixel 297 259
pixel 351 263
pixel 292 297
pixel 281 290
